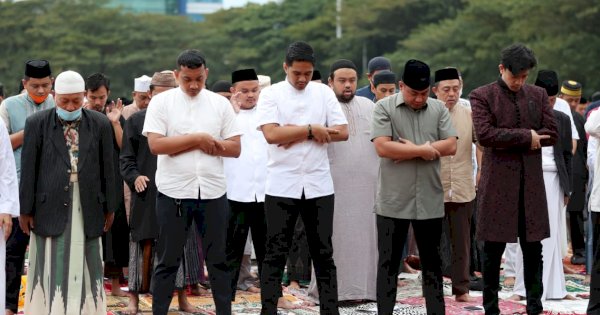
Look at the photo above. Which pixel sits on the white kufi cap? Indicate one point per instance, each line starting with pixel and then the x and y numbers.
pixel 264 81
pixel 69 82
pixel 142 84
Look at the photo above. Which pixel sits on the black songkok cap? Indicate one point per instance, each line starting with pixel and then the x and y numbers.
pixel 548 80
pixel 446 74
pixel 342 64
pixel 221 86
pixel 37 69
pixel 1 90
pixel 243 75
pixel 316 75
pixel 379 63
pixel 416 75
pixel 384 77
pixel 583 100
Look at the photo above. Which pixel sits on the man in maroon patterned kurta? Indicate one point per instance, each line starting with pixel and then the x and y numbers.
pixel 513 120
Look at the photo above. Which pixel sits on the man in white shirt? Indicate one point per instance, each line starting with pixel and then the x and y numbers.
pixel 299 118
pixel 191 129
pixel 9 201
pixel 246 178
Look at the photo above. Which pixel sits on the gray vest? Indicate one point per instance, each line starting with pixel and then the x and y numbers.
pixel 20 107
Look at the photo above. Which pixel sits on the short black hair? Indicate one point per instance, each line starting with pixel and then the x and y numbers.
pixel 96 81
pixel 191 58
pixel 299 51
pixel 517 58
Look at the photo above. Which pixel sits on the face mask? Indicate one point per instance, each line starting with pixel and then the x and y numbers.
pixel 38 99
pixel 68 116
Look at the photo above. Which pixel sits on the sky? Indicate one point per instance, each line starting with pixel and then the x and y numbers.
pixel 239 3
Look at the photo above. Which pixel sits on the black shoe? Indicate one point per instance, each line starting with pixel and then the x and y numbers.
pixel 476 284
pixel 577 260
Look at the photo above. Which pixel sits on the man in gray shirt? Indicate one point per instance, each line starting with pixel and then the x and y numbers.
pixel 411 132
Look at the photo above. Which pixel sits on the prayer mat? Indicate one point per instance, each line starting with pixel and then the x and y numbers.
pixel 409 300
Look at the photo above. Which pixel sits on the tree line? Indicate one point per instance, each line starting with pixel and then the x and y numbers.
pixel 87 36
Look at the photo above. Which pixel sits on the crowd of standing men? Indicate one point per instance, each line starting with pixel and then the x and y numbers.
pixel 202 172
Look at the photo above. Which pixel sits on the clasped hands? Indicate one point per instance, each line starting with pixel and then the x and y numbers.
pixel 320 133
pixel 205 143
pixel 427 151
pixel 536 140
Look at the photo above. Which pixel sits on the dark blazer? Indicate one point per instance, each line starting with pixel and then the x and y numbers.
pixel 563 151
pixel 580 170
pixel 136 159
pixel 503 121
pixel 45 166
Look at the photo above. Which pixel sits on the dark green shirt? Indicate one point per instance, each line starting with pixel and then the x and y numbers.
pixel 411 189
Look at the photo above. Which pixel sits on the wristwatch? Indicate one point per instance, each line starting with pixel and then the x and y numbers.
pixel 310 134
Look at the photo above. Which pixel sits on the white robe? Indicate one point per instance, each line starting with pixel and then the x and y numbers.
pixel 354 169
pixel 553 277
pixel 9 199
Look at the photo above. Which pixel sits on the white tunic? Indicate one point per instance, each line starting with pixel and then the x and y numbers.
pixel 9 198
pixel 174 113
pixel 302 167
pixel 246 176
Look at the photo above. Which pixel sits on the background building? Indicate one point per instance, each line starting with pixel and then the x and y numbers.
pixel 194 9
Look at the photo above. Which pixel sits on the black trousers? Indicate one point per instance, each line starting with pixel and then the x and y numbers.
pixel 212 219
pixel 576 231
pixel 594 303
pixel 282 214
pixel 532 265
pixel 391 235
pixel 16 245
pixel 299 265
pixel 245 216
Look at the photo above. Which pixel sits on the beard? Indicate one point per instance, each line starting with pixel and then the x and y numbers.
pixel 345 98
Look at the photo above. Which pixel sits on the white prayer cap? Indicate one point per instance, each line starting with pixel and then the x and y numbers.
pixel 69 82
pixel 142 84
pixel 264 81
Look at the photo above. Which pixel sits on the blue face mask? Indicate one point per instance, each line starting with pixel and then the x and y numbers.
pixel 68 116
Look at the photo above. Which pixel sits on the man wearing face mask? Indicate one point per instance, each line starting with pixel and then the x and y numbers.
pixel 14 110
pixel 68 201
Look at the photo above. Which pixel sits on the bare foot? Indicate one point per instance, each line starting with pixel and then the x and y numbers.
pixel 285 304
pixel 570 297
pixel 464 298
pixel 116 288
pixel 253 290
pixel 569 270
pixel 132 307
pixel 294 285
pixel 407 268
pixel 514 297
pixel 586 281
pixel 509 281
pixel 199 290
pixel 184 304
pixel 9 312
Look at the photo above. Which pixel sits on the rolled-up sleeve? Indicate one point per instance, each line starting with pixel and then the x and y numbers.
pixel 381 124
